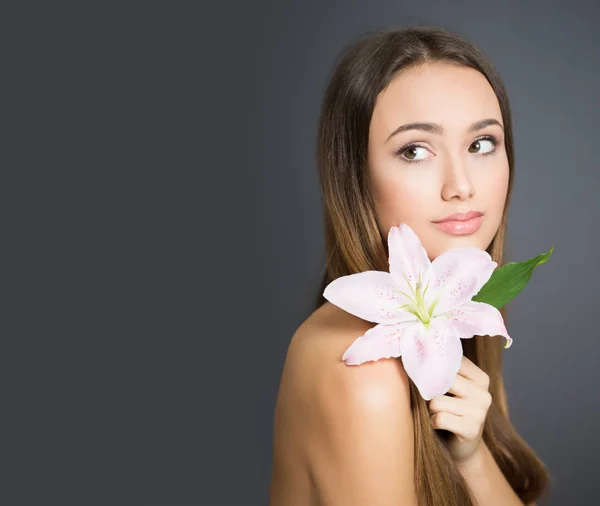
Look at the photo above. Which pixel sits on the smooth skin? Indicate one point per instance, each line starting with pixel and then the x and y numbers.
pixel 343 435
pixel 452 173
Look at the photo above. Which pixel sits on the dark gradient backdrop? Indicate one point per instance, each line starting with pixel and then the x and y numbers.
pixel 163 236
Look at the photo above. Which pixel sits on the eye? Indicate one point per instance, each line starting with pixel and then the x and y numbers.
pixel 490 139
pixel 410 149
pixel 409 153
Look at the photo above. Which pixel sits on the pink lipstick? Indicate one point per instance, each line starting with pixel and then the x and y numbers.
pixel 461 223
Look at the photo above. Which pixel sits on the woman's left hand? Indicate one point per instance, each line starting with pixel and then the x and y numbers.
pixel 464 415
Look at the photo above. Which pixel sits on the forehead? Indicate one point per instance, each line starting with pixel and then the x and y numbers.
pixel 451 95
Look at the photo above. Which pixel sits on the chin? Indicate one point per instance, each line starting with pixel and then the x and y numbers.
pixel 441 245
pixel 442 241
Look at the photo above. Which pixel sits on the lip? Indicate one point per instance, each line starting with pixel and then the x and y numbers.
pixel 461 227
pixel 460 216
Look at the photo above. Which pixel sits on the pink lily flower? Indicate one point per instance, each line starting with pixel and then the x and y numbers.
pixel 422 308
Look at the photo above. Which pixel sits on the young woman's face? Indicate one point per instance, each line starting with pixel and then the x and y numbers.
pixel 452 171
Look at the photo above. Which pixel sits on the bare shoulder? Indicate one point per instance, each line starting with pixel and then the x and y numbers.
pixel 317 347
pixel 359 429
pixel 314 359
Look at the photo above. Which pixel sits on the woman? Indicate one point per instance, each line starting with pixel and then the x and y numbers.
pixel 415 126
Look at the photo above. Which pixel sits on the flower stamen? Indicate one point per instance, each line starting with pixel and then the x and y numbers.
pixel 418 304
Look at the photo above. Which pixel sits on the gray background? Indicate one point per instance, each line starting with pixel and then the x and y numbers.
pixel 163 236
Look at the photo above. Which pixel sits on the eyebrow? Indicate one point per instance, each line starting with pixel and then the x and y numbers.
pixel 434 128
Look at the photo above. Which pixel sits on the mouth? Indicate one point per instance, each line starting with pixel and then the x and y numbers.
pixel 458 227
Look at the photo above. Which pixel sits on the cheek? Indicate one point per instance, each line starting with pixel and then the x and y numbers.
pixel 402 202
pixel 495 195
pixel 497 182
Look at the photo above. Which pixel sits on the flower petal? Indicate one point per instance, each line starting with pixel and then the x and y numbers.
pixel 480 319
pixel 370 295
pixel 459 275
pixel 431 356
pixel 381 341
pixel 407 258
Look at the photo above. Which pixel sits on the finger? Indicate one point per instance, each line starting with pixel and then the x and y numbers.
pixel 453 405
pixel 458 406
pixel 463 387
pixel 469 392
pixel 458 425
pixel 448 421
pixel 468 368
pixel 472 371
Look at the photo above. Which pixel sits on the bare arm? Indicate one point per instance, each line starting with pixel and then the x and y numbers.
pixel 362 449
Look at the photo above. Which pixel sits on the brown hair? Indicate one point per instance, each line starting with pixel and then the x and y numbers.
pixel 354 241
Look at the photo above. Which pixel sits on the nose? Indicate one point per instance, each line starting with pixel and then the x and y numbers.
pixel 457 182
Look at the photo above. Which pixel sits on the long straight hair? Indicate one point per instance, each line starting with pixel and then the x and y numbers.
pixel 355 242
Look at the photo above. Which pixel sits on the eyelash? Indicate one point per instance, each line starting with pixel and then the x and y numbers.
pixel 490 138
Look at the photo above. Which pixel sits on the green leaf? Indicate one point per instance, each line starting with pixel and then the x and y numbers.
pixel 507 281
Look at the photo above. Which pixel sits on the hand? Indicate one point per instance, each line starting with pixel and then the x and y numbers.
pixel 464 414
